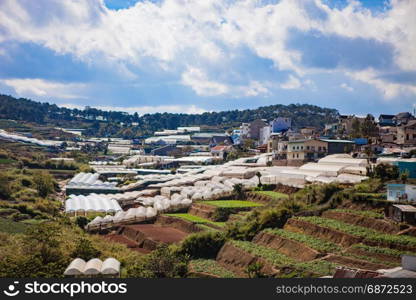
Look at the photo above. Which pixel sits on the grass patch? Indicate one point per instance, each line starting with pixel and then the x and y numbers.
pixel 6 161
pixel 212 267
pixel 363 213
pixel 196 219
pixel 12 227
pixel 232 203
pixel 366 233
pixel 314 243
pixel 273 195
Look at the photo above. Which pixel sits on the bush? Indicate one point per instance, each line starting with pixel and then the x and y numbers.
pixel 203 244
pixel 85 250
pixel 164 262
pixel 386 171
pixel 81 221
pixel 44 183
pixel 5 190
pixel 256 221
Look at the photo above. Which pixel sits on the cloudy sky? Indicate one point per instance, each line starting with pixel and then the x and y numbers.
pixel 204 55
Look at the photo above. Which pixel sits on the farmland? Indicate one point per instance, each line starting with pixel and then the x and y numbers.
pixel 273 194
pixel 362 232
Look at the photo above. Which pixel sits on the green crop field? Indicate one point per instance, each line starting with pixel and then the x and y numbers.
pixel 232 203
pixel 212 267
pixel 196 219
pixel 314 243
pixel 362 232
pixel 380 250
pixel 272 194
pixel 318 267
pixel 364 213
pixel 270 255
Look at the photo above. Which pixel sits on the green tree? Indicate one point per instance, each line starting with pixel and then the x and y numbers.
pixel 404 176
pixel 239 191
pixel 258 174
pixel 44 183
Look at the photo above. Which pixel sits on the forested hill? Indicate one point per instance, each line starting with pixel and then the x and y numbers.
pixel 45 113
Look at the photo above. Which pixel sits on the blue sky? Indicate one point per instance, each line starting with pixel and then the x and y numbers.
pixel 194 56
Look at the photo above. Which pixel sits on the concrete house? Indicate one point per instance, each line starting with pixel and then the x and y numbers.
pixel 401 192
pixel 406 134
pixel 403 213
pixel 306 150
pixel 386 120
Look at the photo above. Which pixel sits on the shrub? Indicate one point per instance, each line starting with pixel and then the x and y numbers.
pixel 256 221
pixel 44 183
pixel 81 221
pixel 85 250
pixel 5 190
pixel 164 262
pixel 203 244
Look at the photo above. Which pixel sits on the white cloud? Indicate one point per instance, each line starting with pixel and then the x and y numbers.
pixel 389 90
pixel 178 33
pixel 189 109
pixel 346 87
pixel 291 83
pixel 44 88
pixel 198 81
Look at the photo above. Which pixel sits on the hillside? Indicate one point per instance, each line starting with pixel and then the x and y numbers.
pixel 106 123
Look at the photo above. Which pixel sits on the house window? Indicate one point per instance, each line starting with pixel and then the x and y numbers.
pixel 297 155
pixel 324 148
pixel 307 147
pixel 313 148
pixel 407 137
pixel 319 148
pixel 301 147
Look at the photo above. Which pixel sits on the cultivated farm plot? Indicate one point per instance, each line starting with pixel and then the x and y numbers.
pixel 272 194
pixel 209 268
pixel 316 247
pixel 196 220
pixel 232 203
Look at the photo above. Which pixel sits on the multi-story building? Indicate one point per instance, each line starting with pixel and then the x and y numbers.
pixel 406 134
pixel 306 150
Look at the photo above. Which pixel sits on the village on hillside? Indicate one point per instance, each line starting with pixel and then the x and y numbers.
pixel 266 199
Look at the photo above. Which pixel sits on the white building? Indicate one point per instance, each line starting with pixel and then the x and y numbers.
pixel 401 192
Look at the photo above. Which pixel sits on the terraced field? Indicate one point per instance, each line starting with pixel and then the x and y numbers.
pixel 363 213
pixel 315 243
pixel 272 194
pixel 232 203
pixel 209 268
pixel 302 252
pixel 195 219
pixel 368 235
pixel 284 265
